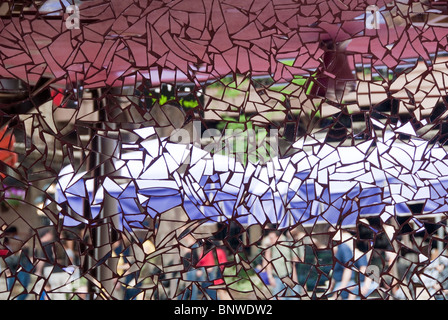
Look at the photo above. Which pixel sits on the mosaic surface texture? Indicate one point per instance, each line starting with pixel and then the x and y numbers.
pixel 222 149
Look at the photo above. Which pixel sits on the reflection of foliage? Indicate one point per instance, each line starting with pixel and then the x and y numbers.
pixel 249 141
pixel 288 88
pixel 229 87
pixel 234 124
pixel 243 280
pixel 170 94
pixel 77 285
pixel 187 102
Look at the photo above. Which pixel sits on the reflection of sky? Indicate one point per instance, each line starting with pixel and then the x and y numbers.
pixel 53 6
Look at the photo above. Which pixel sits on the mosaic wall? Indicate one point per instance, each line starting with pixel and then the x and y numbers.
pixel 222 149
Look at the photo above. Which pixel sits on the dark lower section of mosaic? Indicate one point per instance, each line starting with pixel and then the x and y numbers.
pixel 220 149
